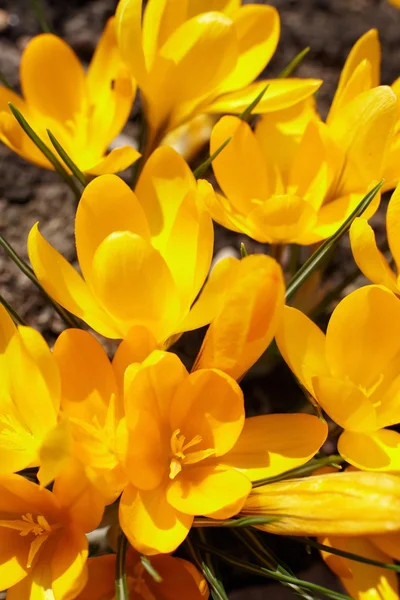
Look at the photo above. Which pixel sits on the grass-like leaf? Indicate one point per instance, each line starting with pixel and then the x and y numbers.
pixel 121 586
pixel 67 159
pixel 40 14
pixel 310 467
pixel 13 313
pixel 201 169
pixel 294 63
pixel 246 114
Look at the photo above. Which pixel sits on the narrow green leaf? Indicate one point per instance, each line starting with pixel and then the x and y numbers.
pixel 319 255
pixel 145 560
pixel 201 169
pixel 243 250
pixel 69 319
pixel 40 14
pixel 294 63
pixel 233 523
pixel 121 586
pixel 217 589
pixel 13 313
pixel 51 157
pixel 310 467
pixel 67 159
pixel 246 114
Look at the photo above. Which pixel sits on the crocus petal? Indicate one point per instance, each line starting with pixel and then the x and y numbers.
pixel 240 168
pixel 373 451
pixel 60 90
pixel 246 324
pixel 393 225
pixel 362 581
pixel 107 205
pixel 370 314
pixel 389 543
pixel 7 329
pixel 200 490
pixel 224 213
pixel 210 404
pixel 25 496
pixel 272 444
pixel 136 346
pixel 180 579
pixel 65 285
pixel 115 161
pixel 13 557
pixel 100 583
pixel 370 260
pixel 281 94
pixel 87 377
pixel 135 284
pixel 68 564
pixel 54 451
pixel 257 29
pixel 129 34
pixel 150 523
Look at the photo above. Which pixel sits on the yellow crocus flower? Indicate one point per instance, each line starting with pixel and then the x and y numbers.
pixel 179 579
pixel 188 449
pixel 44 547
pixel 85 112
pixel 203 56
pixel 352 372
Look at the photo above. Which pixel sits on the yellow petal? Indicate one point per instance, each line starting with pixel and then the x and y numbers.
pixel 281 94
pixel 349 503
pixel 135 285
pixel 66 286
pixel 257 29
pixel 388 543
pixel 200 490
pixel 54 451
pixel 150 523
pixel 272 444
pixel 367 319
pixel 52 78
pixel 68 564
pixel 393 225
pixel 374 451
pixel 129 34
pixel 107 205
pixel 302 345
pixel 240 168
pixel 7 329
pixel 180 579
pixel 100 583
pixel 371 262
pixel 210 404
pixel 224 213
pixel 115 161
pixel 247 322
pixel 362 581
pixel 136 346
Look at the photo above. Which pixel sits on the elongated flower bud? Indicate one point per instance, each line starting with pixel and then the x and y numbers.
pixel 344 504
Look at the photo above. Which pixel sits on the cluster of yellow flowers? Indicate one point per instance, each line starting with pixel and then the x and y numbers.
pixel 172 450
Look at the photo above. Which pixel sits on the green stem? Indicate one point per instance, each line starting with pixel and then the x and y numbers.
pixel 215 585
pixel 121 586
pixel 41 16
pixel 13 313
pixel 306 469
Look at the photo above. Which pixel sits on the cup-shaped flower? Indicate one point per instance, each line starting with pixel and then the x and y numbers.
pixel 171 54
pixel 371 261
pixel 43 543
pixel 179 579
pixel 188 450
pixel 144 256
pixel 346 504
pixel 85 112
pixel 365 581
pixel 353 372
pixel 306 199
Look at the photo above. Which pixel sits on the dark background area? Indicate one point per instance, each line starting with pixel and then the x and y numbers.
pixel 29 194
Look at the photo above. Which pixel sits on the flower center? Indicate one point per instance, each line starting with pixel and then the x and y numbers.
pixel 180 456
pixel 40 529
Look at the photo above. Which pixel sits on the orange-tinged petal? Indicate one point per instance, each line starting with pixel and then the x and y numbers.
pixel 345 403
pixel 150 523
pixel 180 579
pixel 206 489
pixel 370 260
pixel 54 451
pixel 362 581
pixel 373 451
pixel 136 347
pixel 115 161
pixel 372 315
pixel 13 557
pixel 393 225
pixel 210 404
pixel 68 564
pixel 87 377
pixel 272 444
pixel 100 583
pixel 389 543
pixel 135 284
pixel 66 286
pixel 246 324
pixel 59 92
pixel 107 205
pixel 240 168
pixel 7 329
pixel 302 345
pixel 281 94
pixel 257 29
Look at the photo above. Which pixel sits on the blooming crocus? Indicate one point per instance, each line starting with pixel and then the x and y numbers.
pixel 171 54
pixel 43 543
pixel 144 256
pixel 352 372
pixel 85 112
pixel 179 579
pixel 348 504
pixel 188 449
